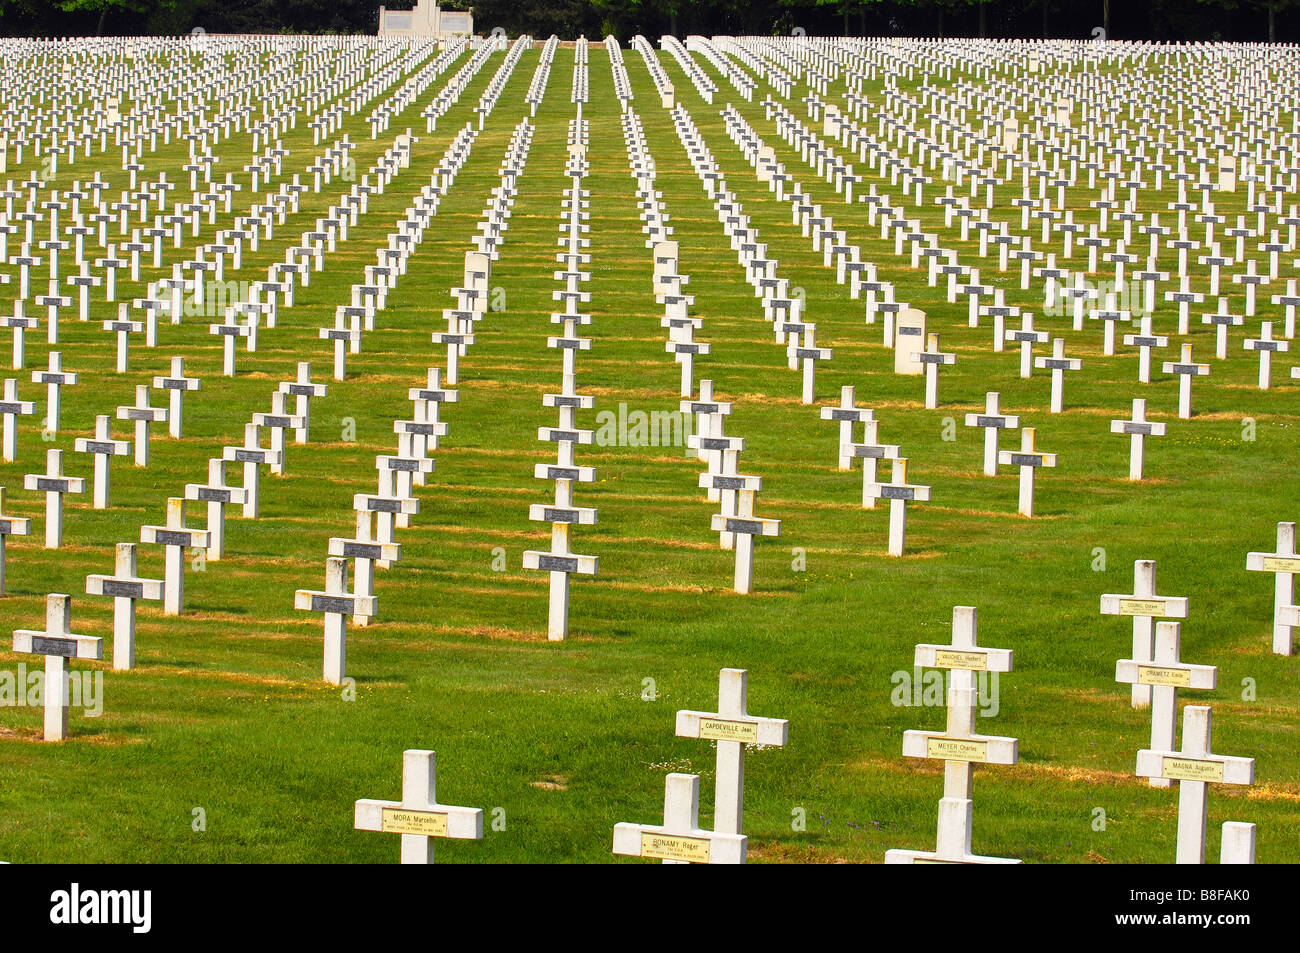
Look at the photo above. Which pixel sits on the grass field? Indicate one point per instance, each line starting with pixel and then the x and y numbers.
pixel 226 710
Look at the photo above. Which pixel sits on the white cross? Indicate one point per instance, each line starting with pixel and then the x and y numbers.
pixel 1193 767
pixel 303 390
pixel 1138 429
pixel 732 727
pixel 9 526
pixel 992 420
pixel 103 447
pixel 959 746
pixel 418 816
pixel 57 643
pixel 1162 676
pixel 1029 460
pixel 336 603
pixel 1186 369
pixel 1284 564
pixel 1266 345
pixel 176 537
pixel 932 358
pixel 176 385
pixel 899 493
pixel 143 415
pixel 54 378
pixel 680 840
pixel 1058 364
pixel 125 588
pixel 10 409
pixel 1144 607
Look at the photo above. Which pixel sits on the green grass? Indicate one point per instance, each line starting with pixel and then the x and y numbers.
pixel 226 711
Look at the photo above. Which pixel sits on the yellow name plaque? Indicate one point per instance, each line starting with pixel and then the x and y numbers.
pixel 951 658
pixel 1141 607
pixel 694 850
pixel 1154 675
pixel 956 749
pixel 1190 769
pixel 400 820
pixel 1281 563
pixel 719 729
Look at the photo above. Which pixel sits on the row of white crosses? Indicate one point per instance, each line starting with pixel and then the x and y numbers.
pixel 870 451
pixel 125 587
pixel 333 160
pixel 380 514
pixel 55 484
pixel 834 120
pixel 737 525
pixel 395 503
pixel 1156 671
pixel 959 746
pixel 781 306
pixel 736 492
pixel 560 561
pixel 680 839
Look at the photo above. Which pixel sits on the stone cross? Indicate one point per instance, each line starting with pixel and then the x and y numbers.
pixel 278 421
pixel 744 526
pixel 418 816
pixel 933 358
pixel 11 408
pixel 899 493
pixel 869 452
pixel 1144 341
pixel 1193 767
pixel 229 332
pixel 1144 607
pixel 104 447
pixel 176 384
pixel 992 420
pixel 1266 345
pixel 1029 459
pixel 303 390
pixel 732 727
pixel 252 456
pixel 808 353
pixel 143 415
pixel 9 526
pixel 125 588
pixel 680 840
pixel 1138 429
pixel 54 378
pixel 959 746
pixel 176 537
pixel 1284 564
pixel 847 415
pixel 1027 337
pixel 58 644
pixel 1058 364
pixel 1222 320
pixel 20 324
pixel 124 328
pixel 217 495
pixel 337 604
pixel 1186 369
pixel 365 552
pixel 1163 675
pixel 54 484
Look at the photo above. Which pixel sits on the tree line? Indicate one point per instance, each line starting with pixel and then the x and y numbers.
pixel 1169 20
